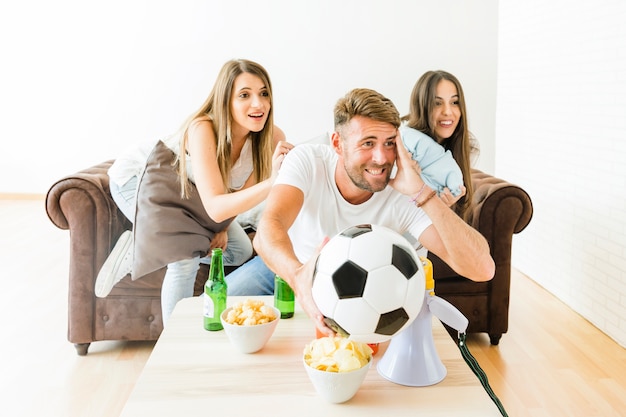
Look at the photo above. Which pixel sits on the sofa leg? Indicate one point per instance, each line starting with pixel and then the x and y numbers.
pixel 81 348
pixel 495 338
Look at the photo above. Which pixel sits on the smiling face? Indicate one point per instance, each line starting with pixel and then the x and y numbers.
pixel 446 112
pixel 250 104
pixel 367 152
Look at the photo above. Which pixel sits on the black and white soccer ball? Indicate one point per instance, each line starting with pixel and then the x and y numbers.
pixel 368 283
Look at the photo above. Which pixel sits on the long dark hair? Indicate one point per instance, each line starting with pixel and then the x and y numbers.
pixel 461 143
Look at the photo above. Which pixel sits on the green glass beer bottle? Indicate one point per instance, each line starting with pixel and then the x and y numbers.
pixel 284 299
pixel 215 292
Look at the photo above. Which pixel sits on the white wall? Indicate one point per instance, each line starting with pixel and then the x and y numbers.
pixel 561 134
pixel 81 81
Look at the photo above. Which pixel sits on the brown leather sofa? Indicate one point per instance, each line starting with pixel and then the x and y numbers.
pixel 82 204
pixel 500 210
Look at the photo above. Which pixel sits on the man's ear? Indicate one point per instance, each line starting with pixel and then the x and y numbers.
pixel 335 142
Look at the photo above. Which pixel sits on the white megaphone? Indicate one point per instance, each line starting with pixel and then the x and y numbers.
pixel 411 358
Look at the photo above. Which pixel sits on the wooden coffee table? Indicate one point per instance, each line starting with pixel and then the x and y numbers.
pixel 193 372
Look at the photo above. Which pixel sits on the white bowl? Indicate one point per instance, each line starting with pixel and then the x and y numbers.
pixel 249 339
pixel 337 387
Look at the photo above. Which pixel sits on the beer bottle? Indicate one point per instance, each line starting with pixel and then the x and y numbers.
pixel 215 292
pixel 284 299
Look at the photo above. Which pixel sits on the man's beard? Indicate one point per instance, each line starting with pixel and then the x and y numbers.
pixel 359 180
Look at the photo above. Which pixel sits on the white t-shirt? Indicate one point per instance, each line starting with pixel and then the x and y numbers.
pixel 311 168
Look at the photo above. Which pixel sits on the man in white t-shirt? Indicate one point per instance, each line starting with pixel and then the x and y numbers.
pixel 321 190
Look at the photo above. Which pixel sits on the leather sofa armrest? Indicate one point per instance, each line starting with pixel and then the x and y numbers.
pixel 83 200
pixel 92 182
pixel 501 209
pixel 82 203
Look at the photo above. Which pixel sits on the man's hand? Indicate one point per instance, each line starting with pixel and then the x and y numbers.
pixel 303 282
pixel 408 179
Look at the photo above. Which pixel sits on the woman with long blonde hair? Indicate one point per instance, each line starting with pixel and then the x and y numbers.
pixel 183 193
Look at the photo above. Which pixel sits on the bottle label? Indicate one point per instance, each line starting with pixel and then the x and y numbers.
pixel 209 307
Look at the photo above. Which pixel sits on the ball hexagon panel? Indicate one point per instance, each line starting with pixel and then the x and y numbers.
pixel 390 323
pixel 336 327
pixel 349 280
pixel 404 261
pixel 333 254
pixel 356 316
pixel 414 296
pixel 324 294
pixel 386 289
pixel 354 231
pixel 370 250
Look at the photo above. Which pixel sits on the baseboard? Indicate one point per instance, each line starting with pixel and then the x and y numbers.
pixel 21 196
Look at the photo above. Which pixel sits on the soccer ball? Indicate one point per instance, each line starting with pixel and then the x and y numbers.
pixel 368 283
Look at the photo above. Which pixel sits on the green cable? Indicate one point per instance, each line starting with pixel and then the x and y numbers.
pixel 478 371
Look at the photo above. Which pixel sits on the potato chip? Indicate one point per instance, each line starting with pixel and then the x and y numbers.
pixel 250 313
pixel 337 354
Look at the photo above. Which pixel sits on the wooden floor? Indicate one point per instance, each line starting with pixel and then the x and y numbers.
pixel 550 363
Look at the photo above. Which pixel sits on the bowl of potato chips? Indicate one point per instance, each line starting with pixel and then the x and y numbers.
pixel 250 324
pixel 337 366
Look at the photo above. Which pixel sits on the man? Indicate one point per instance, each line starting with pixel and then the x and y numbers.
pixel 321 190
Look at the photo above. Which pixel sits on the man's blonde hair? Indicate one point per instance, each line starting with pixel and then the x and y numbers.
pixel 367 103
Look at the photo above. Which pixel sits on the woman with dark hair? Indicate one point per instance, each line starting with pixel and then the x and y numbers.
pixel 437 109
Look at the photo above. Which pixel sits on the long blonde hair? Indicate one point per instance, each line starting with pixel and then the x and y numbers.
pixel 216 109
pixel 461 144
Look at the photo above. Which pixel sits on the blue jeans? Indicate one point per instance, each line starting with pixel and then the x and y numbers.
pixel 180 276
pixel 251 278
